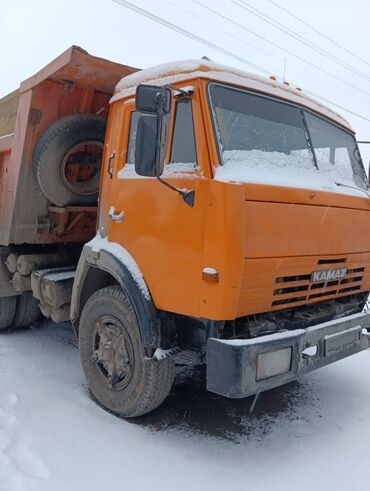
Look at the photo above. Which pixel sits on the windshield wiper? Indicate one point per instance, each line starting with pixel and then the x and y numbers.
pixel 353 187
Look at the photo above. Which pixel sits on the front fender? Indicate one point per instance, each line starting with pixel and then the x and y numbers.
pixel 107 264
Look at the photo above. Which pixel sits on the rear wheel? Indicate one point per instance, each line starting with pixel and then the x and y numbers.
pixel 7 312
pixel 119 375
pixel 27 310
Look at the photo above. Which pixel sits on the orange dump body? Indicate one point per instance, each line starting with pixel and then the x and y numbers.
pixel 263 240
pixel 75 82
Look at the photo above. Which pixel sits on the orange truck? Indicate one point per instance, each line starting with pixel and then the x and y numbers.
pixel 186 214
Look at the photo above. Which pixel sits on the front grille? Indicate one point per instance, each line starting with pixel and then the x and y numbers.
pixel 288 300
pixel 299 288
pixel 332 261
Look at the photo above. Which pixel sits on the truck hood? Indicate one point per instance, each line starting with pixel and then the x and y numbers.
pixel 286 221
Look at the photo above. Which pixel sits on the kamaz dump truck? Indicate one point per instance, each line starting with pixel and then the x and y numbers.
pixel 186 214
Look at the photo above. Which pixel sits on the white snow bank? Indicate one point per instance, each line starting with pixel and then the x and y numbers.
pixel 157 72
pixel 53 437
pixel 294 170
pixel 161 354
pixel 61 275
pixel 170 73
pixel 176 170
pixel 99 244
pixel 209 270
pixel 268 338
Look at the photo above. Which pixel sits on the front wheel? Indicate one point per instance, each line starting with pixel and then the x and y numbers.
pixel 119 375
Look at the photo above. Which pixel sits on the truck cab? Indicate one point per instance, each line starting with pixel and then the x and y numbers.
pixel 241 212
pixel 279 190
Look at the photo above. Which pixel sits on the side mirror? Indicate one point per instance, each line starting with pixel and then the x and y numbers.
pixel 154 105
pixel 151 99
pixel 146 144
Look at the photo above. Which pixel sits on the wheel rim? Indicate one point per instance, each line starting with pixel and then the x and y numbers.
pixel 113 353
pixel 80 169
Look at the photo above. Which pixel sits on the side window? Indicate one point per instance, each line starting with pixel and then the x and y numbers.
pixel 132 138
pixel 183 141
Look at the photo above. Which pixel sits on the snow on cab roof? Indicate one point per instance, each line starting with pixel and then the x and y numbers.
pixel 170 73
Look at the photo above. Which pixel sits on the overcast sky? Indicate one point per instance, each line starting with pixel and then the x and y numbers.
pixel 34 32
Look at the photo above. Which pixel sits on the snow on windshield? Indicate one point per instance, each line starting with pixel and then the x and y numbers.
pixel 256 162
pixel 341 171
pixel 277 168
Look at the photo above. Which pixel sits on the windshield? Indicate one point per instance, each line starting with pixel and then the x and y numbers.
pixel 265 140
pixel 336 152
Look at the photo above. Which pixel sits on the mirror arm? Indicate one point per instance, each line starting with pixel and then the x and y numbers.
pixel 187 196
pixel 180 92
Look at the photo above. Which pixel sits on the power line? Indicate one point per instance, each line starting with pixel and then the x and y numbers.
pixel 180 7
pixel 318 31
pixel 295 35
pixel 279 47
pixel 328 101
pixel 209 44
pixel 278 25
pixel 188 34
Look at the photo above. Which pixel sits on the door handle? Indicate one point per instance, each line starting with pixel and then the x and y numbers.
pixel 110 166
pixel 115 217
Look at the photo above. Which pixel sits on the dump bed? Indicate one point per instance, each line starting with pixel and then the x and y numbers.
pixel 74 83
pixel 8 113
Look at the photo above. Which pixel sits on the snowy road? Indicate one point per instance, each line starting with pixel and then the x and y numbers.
pixel 312 434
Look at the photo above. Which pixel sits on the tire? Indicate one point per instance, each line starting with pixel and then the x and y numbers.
pixel 7 312
pixel 69 148
pixel 146 382
pixel 27 310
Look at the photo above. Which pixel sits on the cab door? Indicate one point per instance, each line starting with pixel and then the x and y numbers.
pixel 114 153
pixel 162 233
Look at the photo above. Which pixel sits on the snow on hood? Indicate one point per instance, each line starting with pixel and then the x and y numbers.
pixel 170 73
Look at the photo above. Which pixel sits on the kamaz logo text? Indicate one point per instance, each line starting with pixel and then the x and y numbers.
pixel 328 274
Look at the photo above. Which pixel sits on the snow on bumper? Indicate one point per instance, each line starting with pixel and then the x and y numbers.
pixel 242 367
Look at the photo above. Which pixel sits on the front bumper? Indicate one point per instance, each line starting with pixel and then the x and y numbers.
pixel 232 365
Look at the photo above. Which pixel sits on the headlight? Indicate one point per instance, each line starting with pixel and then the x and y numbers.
pixel 273 363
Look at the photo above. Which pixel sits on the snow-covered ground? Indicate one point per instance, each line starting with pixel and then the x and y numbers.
pixel 311 434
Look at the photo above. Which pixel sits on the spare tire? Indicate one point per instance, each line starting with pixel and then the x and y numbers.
pixel 67 160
